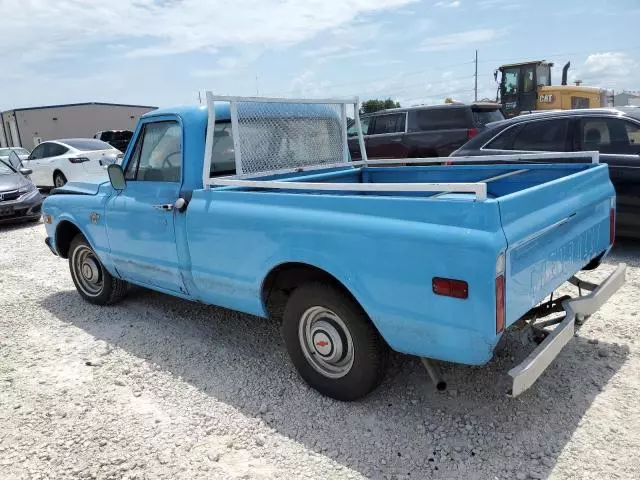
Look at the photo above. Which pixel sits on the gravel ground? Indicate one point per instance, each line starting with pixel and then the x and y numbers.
pixel 157 387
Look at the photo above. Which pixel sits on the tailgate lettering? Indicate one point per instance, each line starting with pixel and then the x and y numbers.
pixel 564 259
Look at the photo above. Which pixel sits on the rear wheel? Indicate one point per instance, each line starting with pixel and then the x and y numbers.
pixel 94 283
pixel 332 343
pixel 59 179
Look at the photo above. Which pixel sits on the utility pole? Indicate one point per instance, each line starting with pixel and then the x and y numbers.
pixel 476 77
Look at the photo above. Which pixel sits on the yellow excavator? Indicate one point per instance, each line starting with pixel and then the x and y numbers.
pixel 525 87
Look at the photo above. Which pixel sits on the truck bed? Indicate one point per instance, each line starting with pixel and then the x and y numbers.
pixel 501 180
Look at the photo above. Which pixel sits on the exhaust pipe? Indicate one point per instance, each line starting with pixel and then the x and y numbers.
pixel 565 69
pixel 433 372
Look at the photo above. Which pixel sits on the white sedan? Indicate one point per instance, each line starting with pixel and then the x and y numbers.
pixel 57 162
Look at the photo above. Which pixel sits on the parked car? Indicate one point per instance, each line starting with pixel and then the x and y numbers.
pixel 430 261
pixel 424 131
pixel 22 153
pixel 56 162
pixel 116 138
pixel 614 132
pixel 19 197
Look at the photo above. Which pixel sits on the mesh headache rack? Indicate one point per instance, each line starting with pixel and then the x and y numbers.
pixel 274 136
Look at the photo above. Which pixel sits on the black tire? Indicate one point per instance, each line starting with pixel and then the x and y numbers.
pixel 369 351
pixel 59 180
pixel 93 282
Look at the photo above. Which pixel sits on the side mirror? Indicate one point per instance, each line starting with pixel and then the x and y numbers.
pixel 25 171
pixel 116 177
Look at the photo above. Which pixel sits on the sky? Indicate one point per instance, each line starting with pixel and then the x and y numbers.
pixel 163 52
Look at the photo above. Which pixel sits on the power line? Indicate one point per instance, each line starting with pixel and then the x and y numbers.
pixel 380 79
pixel 564 55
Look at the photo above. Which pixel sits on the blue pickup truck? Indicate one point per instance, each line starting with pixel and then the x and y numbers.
pixel 354 258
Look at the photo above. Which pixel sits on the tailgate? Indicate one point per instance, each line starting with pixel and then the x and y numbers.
pixel 553 230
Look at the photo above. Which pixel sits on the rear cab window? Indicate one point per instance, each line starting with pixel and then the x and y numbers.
pixel 223 158
pixel 439 119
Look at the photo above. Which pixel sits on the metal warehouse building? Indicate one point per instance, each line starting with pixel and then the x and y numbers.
pixel 27 127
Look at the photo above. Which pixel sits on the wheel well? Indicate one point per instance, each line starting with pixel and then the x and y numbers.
pixel 65 233
pixel 285 278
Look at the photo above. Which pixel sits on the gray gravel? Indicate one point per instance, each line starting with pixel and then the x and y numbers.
pixel 157 387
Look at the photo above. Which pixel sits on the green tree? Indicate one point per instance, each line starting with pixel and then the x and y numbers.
pixel 374 105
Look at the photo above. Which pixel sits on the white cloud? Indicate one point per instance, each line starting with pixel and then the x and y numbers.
pixel 499 4
pixel 449 4
pixel 457 41
pixel 610 63
pixel 44 28
pixel 612 70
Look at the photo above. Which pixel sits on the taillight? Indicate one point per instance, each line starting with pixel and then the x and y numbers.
pixel 500 294
pixel 612 226
pixel 499 303
pixel 78 159
pixel 450 288
pixel 471 132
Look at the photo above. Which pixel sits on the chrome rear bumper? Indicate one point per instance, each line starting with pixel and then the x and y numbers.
pixel 527 372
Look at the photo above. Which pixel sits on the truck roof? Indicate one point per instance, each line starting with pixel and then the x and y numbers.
pixel 279 110
pixel 222 111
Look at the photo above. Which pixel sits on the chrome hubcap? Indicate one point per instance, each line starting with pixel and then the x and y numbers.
pixel 59 181
pixel 326 342
pixel 86 271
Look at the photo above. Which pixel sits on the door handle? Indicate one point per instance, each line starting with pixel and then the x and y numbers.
pixel 396 140
pixel 165 207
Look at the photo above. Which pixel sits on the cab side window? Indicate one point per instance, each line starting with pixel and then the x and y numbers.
pixel 157 155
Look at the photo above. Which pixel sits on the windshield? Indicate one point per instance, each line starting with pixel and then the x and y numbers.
pixel 4 152
pixel 87 144
pixel 6 169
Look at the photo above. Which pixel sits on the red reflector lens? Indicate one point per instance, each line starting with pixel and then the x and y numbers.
pixel 612 226
pixel 472 132
pixel 500 304
pixel 450 288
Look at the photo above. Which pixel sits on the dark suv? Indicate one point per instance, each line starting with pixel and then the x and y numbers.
pixel 614 132
pixel 423 131
pixel 116 138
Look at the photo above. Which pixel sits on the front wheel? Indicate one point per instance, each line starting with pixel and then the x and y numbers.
pixel 332 343
pixel 94 283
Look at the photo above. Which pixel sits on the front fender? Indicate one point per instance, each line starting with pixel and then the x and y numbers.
pixel 86 214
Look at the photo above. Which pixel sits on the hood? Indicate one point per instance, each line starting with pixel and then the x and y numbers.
pixel 13 181
pixel 79 188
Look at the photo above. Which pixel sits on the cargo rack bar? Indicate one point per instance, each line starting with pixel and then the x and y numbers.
pixel 254 180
